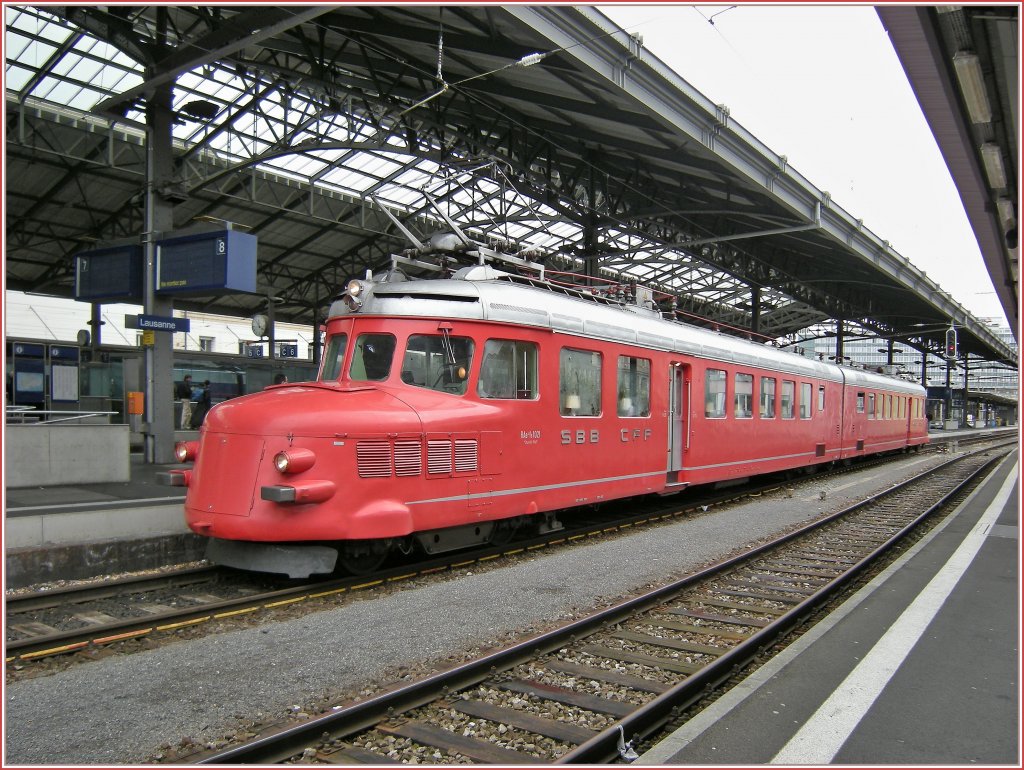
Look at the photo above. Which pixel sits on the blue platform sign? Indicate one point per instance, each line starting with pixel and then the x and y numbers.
pixel 207 263
pixel 255 351
pixel 158 323
pixel 289 351
pixel 64 353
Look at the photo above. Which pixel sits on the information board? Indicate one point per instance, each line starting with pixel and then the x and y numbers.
pixel 204 263
pixel 109 274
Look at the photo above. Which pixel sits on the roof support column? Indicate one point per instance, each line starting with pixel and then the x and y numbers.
pixel 158 428
pixel 963 416
pixel 890 345
pixel 840 331
pixel 316 329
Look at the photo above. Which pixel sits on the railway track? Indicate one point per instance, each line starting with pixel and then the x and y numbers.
pixel 79 618
pixel 592 690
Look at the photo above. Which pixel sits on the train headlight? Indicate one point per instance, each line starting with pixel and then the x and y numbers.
pixel 354 287
pixel 186 451
pixel 294 460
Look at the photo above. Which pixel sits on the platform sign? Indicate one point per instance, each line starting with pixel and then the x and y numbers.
pixel 207 263
pixel 110 274
pixel 158 323
pixel 289 350
pixel 254 351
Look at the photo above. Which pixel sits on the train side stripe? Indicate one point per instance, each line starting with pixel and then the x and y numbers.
pixel 542 488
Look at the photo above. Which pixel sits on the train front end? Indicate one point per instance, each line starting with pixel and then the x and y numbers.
pixel 271 480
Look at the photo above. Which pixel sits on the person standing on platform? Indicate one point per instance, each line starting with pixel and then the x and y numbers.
pixel 280 378
pixel 202 406
pixel 183 392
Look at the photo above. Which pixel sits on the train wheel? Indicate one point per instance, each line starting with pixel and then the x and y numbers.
pixel 361 557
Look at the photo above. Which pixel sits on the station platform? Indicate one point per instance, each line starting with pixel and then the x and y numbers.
pixel 920 667
pixel 64 532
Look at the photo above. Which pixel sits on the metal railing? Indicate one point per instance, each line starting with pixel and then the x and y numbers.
pixel 30 415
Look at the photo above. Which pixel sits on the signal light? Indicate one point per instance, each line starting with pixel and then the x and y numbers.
pixel 951 344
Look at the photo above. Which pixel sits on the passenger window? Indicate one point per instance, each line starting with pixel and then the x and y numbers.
pixel 508 370
pixel 821 398
pixel 860 403
pixel 805 400
pixel 714 393
pixel 871 406
pixel 579 383
pixel 633 389
pixel 334 357
pixel 437 361
pixel 743 398
pixel 371 359
pixel 786 400
pixel 768 397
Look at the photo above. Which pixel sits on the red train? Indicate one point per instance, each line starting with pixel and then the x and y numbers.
pixel 449 412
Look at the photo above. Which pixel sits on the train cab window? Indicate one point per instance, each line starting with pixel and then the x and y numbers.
pixel 633 389
pixel 821 398
pixel 334 357
pixel 743 396
pixel 805 400
pixel 371 359
pixel 860 403
pixel 508 370
pixel 438 362
pixel 579 383
pixel 767 409
pixel 714 393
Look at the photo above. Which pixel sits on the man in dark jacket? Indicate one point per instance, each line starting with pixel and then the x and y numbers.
pixel 202 406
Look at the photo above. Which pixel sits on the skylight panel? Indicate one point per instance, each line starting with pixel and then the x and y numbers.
pixel 304 164
pixel 37 24
pixel 33 54
pixel 17 45
pixel 371 164
pixel 16 78
pixel 350 181
pixel 84 69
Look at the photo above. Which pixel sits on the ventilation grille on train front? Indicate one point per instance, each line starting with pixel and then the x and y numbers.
pixel 383 459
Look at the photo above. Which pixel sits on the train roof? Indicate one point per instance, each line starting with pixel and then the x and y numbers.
pixel 484 293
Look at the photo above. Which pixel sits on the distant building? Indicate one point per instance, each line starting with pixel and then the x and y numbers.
pixel 40 318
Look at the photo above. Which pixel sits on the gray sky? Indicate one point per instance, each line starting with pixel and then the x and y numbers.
pixel 822 85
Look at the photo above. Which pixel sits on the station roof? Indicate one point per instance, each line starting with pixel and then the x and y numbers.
pixel 546 127
pixel 963 62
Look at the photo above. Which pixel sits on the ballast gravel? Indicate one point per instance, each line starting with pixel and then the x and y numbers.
pixel 122 709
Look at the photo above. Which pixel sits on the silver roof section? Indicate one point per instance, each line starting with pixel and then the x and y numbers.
pixel 482 293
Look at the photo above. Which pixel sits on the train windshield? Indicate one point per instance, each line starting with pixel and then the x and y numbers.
pixel 334 357
pixel 437 361
pixel 371 358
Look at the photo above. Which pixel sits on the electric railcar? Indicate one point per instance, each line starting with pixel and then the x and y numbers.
pixel 448 412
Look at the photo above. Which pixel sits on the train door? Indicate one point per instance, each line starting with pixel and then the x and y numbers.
pixel 678 418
